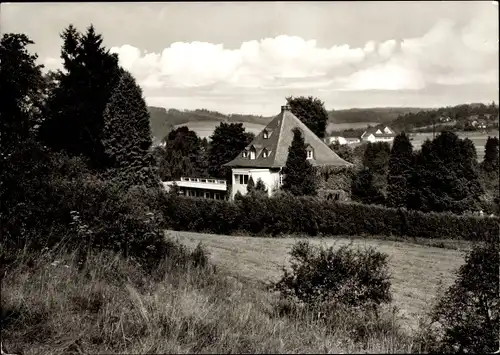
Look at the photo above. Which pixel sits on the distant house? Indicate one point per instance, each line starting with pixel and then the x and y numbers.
pixel 481 124
pixel 374 134
pixel 211 188
pixel 444 119
pixel 265 157
pixel 335 139
pixel 352 137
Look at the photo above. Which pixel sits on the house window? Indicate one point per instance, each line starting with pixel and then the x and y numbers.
pixel 241 179
pixel 266 134
pixel 244 154
pixel 252 154
pixel 265 153
pixel 281 179
pixel 309 154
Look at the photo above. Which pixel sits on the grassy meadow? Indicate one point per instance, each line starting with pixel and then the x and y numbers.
pixel 418 271
pixel 113 306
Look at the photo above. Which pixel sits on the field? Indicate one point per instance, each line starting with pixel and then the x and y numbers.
pixel 417 271
pixel 478 138
pixel 206 128
pixel 343 126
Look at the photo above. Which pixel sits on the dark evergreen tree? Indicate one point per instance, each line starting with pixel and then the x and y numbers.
pixel 22 91
pixel 250 186
pixel 445 176
pixel 490 161
pixel 400 170
pixel 227 141
pixel 75 109
pixel 370 183
pixel 301 177
pixel 183 154
pixel 127 136
pixel 260 188
pixel 364 188
pixel 376 157
pixel 311 111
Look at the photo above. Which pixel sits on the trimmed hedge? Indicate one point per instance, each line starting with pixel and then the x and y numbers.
pixel 314 216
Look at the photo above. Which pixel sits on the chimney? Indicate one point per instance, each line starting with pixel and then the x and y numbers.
pixel 285 108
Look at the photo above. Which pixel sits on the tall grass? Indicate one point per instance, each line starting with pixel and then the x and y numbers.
pixel 113 306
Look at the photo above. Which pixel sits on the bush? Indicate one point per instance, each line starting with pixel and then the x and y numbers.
pixel 57 203
pixel 286 214
pixel 342 277
pixel 467 316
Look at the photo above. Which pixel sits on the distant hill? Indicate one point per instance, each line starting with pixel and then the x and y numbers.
pixel 459 113
pixel 376 114
pixel 163 120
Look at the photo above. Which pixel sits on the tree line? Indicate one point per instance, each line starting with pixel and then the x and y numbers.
pixel 443 175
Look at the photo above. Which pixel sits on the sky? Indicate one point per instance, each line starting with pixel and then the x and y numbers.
pixel 247 57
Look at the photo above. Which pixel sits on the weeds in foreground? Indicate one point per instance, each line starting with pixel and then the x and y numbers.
pixel 113 306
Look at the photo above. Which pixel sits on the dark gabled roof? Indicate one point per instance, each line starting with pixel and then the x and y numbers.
pixel 280 140
pixel 351 134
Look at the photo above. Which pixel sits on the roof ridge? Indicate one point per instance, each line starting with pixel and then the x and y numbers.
pixel 280 136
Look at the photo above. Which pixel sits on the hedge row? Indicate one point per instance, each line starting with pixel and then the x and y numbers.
pixel 313 216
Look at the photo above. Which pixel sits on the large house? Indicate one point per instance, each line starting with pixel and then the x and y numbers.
pixel 265 157
pixel 374 134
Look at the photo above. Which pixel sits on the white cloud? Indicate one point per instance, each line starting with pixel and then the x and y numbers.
pixel 263 70
pixel 386 48
pixel 254 64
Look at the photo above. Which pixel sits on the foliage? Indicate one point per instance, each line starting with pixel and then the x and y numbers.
pixel 376 157
pixel 468 313
pixel 337 178
pixel 260 188
pixel 364 188
pixel 446 176
pixel 184 155
pixel 250 186
pixel 491 158
pixel 227 141
pixel 460 113
pixel 400 170
pixel 127 136
pixel 75 119
pixel 343 151
pixel 288 214
pixel 311 111
pixel 300 176
pixel 23 88
pixel 347 277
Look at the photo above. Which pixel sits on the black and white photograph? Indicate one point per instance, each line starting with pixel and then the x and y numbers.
pixel 249 177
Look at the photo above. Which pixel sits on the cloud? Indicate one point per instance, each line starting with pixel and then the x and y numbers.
pixel 254 64
pixel 203 74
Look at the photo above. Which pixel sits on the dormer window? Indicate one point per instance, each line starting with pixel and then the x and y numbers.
pixel 309 151
pixel 265 134
pixel 245 154
pixel 252 153
pixel 265 153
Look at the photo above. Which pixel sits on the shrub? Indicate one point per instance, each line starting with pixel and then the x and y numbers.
pixel 287 214
pixel 467 316
pixel 342 277
pixel 57 203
